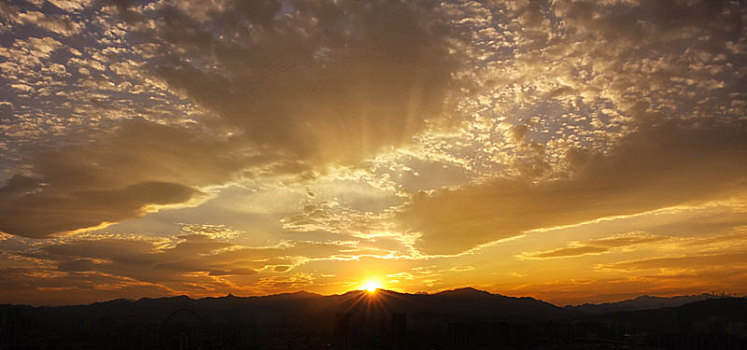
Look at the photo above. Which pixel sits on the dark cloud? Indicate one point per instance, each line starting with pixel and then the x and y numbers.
pixel 144 261
pixel 116 176
pixel 663 165
pixel 647 22
pixel 40 214
pixel 322 82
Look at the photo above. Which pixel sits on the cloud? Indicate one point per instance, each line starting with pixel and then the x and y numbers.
pixel 308 126
pixel 572 251
pixel 659 166
pixel 27 212
pixel 733 260
pixel 595 246
pixel 41 288
pixel 71 5
pixel 199 261
pixel 122 174
pixel 645 23
pixel 143 260
pixel 319 82
pixel 54 23
pixel 57 24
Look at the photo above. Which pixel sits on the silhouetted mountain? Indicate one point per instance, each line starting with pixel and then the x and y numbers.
pixel 644 302
pixel 692 317
pixel 456 319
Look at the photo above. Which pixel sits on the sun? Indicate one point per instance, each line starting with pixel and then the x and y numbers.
pixel 371 285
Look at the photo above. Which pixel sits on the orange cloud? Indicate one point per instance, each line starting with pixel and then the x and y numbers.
pixel 595 246
pixel 657 167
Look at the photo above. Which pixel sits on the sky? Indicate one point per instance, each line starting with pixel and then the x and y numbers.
pixel 571 151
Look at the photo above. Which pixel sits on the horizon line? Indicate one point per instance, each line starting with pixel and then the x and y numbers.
pixel 230 294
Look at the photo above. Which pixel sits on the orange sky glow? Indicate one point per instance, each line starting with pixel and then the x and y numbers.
pixel 572 151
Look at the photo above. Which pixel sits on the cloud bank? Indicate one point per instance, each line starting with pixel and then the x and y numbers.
pixel 663 165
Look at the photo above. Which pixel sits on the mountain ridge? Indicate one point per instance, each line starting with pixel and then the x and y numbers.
pixel 642 302
pixel 383 317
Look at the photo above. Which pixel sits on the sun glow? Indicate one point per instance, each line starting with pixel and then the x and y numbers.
pixel 371 285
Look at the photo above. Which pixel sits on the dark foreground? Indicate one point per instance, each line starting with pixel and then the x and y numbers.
pixel 459 319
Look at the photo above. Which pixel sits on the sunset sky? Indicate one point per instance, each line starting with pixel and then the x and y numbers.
pixel 572 151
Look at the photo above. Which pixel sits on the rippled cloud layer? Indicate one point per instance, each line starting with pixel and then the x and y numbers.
pixel 547 148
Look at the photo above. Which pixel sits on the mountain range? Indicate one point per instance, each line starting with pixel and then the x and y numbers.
pixel 454 319
pixel 644 302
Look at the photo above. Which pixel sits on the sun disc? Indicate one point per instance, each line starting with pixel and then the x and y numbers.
pixel 371 285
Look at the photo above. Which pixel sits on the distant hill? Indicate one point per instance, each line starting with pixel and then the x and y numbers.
pixel 463 301
pixel 464 318
pixel 640 303
pixel 705 316
pixel 307 308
